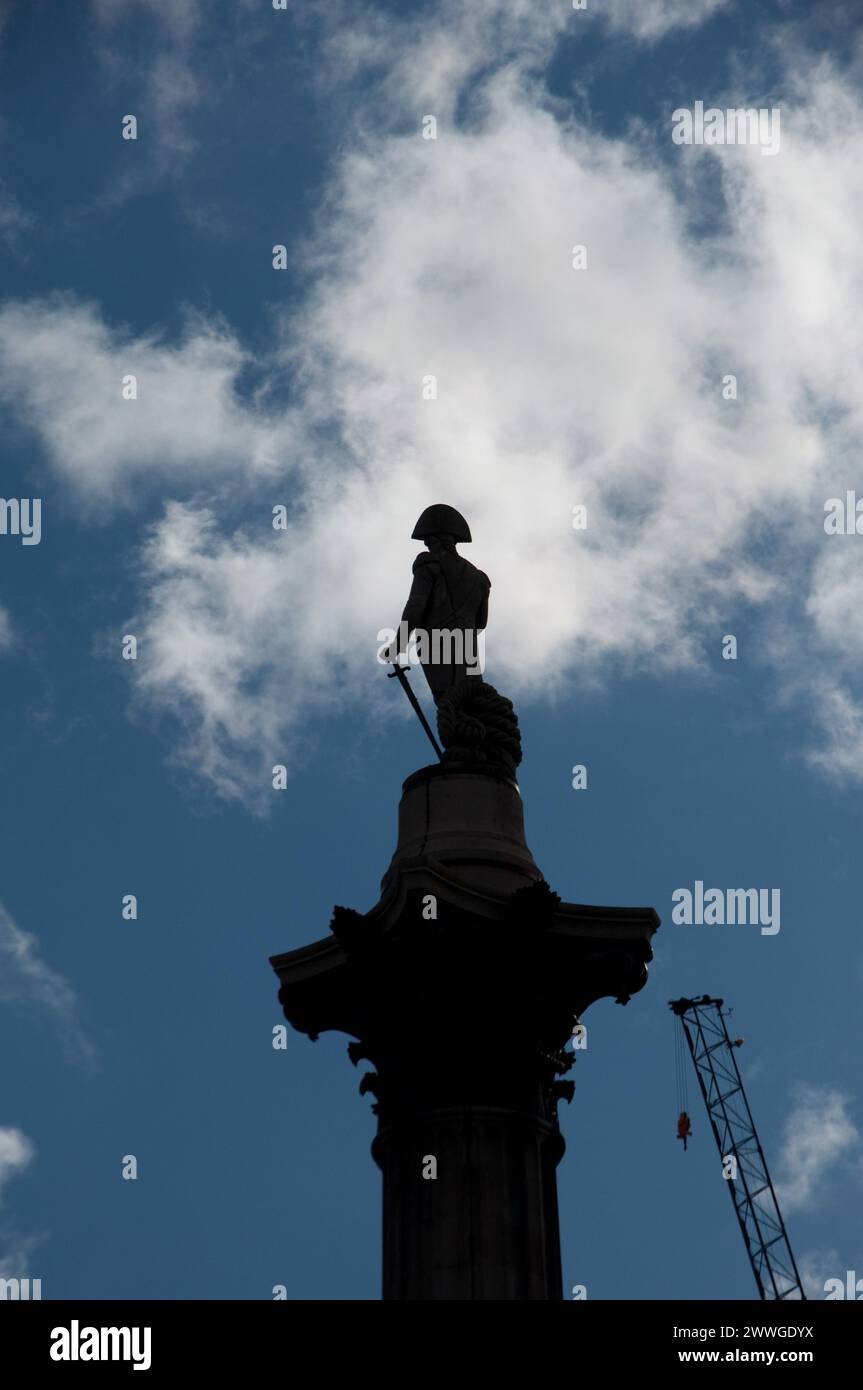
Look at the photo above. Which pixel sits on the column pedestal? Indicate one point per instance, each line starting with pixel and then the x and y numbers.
pixel 461 986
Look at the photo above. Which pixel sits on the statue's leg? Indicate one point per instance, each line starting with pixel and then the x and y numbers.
pixel 441 678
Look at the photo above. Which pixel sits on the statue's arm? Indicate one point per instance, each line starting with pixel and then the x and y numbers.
pixel 421 588
pixel 482 613
pixel 419 595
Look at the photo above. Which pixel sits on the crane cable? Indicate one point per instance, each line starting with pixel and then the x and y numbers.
pixel 681 1068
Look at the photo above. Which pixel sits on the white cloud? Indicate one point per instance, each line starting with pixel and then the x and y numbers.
pixel 432 53
pixel 16 1152
pixel 653 19
pixel 63 368
pixel 838 717
pixel 26 979
pixel 834 608
pixel 430 56
pixel 819 1133
pixel 555 387
pixel 816 1267
pixel 5 629
pixel 834 598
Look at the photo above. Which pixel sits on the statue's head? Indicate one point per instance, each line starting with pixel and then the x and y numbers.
pixel 443 525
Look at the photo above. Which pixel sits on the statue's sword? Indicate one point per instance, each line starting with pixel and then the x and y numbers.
pixel 401 676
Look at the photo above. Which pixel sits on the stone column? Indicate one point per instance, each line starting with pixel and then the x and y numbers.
pixel 461 986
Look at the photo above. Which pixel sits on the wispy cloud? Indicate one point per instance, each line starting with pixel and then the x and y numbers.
pixel 817 1266
pixel 819 1134
pixel 432 54
pixel 653 19
pixel 16 1252
pixel 16 1153
pixel 180 17
pixel 14 221
pixel 162 63
pixel 26 979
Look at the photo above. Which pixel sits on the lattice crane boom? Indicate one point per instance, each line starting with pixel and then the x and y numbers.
pixel 755 1203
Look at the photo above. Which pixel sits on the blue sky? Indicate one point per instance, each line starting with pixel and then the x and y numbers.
pixel 302 387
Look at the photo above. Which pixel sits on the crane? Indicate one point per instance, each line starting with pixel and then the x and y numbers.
pixel 713 1055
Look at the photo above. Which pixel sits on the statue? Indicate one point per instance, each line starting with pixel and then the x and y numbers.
pixel 447 610
pixel 447 605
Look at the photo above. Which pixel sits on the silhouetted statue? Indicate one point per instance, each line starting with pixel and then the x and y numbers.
pixel 448 602
pixel 448 610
